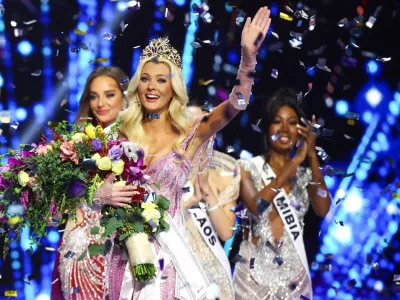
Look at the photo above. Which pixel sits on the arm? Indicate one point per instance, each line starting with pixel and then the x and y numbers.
pixel 252 37
pixel 319 203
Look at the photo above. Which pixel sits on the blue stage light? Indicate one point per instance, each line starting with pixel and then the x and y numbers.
pixel 233 57
pixel 274 8
pixel 53 237
pixel 38 109
pixel 393 227
pixel 342 234
pixel 375 146
pixel 18 285
pixel 1 81
pixel 367 116
pixel 180 2
pixel 121 6
pixel 372 67
pixel 342 107
pixel 25 48
pixel 361 174
pixel 15 265
pixel 373 96
pixel 157 26
pixel 329 181
pixel 46 51
pixel 228 8
pixel 158 14
pixel 394 108
pixel 21 114
pixel 14 254
pixel 397 97
pixel 354 201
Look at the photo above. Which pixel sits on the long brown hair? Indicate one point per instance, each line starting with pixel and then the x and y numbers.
pixel 84 108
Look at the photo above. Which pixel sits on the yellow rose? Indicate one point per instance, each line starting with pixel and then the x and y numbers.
pixel 104 163
pixel 79 136
pixel 99 129
pixel 50 147
pixel 149 205
pixel 151 214
pixel 96 157
pixel 120 183
pixel 13 220
pixel 23 178
pixel 118 167
pixel 90 131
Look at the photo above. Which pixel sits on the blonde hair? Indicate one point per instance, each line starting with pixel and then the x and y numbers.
pixel 133 117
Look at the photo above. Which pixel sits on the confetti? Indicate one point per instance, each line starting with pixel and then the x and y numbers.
pixel 161 263
pixel 275 136
pixel 49 249
pixel 256 127
pixel 124 81
pixel 325 267
pixel 123 26
pixel 396 277
pixel 352 116
pixel 385 189
pixel 274 73
pixel 230 149
pixel 133 5
pixel 2 9
pixel 186 189
pixel 5 116
pixel 27 281
pixel 275 34
pixel 205 82
pixel 285 16
pixel 13 127
pixel 240 17
pixel 262 205
pixel 79 32
pixel 390 161
pixel 237 258
pixel 396 195
pixel 10 293
pixel 75 290
pixel 36 73
pixel 69 254
pixel 339 222
pixel 370 22
pixel 30 22
pixel 383 59
pixel 195 45
pixel 311 23
pixel 278 261
pixel 295 205
pixel 329 256
pixel 74 50
pixel 252 260
pixel 322 65
pixel 109 36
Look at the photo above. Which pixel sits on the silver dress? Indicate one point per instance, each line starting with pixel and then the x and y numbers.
pixel 266 279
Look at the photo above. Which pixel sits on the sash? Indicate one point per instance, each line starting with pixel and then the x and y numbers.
pixel 193 282
pixel 286 212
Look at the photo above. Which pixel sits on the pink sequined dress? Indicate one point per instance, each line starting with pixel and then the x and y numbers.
pixel 171 177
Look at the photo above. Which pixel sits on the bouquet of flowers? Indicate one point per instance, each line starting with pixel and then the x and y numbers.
pixel 50 178
pixel 59 175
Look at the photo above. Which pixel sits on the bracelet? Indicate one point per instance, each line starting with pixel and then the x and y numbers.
pixel 215 207
pixel 262 205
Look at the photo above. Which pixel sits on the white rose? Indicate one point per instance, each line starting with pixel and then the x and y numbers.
pixel 130 150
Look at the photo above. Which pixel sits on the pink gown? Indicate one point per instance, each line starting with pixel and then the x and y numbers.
pixel 171 177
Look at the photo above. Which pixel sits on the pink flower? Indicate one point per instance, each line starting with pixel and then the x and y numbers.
pixel 24 199
pixel 68 152
pixel 42 150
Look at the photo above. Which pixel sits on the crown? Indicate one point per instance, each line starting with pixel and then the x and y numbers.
pixel 162 48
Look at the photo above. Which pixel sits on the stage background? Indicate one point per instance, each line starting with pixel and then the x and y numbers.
pixel 342 66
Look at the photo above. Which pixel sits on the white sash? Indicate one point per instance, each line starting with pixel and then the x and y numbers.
pixel 207 231
pixel 193 282
pixel 286 212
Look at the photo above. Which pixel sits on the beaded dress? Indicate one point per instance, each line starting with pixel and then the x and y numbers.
pixel 171 178
pixel 267 280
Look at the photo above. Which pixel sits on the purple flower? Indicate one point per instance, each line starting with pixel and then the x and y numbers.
pixel 96 144
pixel 115 152
pixel 77 188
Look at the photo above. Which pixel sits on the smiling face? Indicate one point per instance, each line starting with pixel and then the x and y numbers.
pixel 285 121
pixel 155 87
pixel 105 99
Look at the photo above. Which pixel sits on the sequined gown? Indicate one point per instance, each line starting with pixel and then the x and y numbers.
pixel 267 280
pixel 171 178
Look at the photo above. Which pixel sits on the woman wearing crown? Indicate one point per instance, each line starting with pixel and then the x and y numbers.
pixel 157 119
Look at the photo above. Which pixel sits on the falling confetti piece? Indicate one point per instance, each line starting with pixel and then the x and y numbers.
pixel 13 127
pixel 49 249
pixel 2 9
pixel 390 161
pixel 69 254
pixel 240 17
pixel 237 258
pixel 274 73
pixel 55 281
pixel 75 290
pixel 123 26
pixel 79 32
pixel 252 260
pixel 5 116
pixel 256 127
pixel 335 289
pixel 109 36
pixel 74 50
pixel 386 188
pixel 275 136
pixel 370 22
pixel 11 293
pixel 205 82
pixel 348 137
pixel 339 222
pixel 285 16
pixel 36 73
pixel 278 261
pixel 351 122
pixel 30 22
pixel 325 267
pixel 230 149
pixel 383 59
pixel 396 195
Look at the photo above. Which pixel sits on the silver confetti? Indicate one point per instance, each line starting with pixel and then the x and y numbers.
pixel 274 73
pixel 275 136
pixel 370 22
pixel 36 73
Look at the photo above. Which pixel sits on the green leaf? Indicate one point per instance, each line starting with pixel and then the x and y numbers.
pixel 138 227
pixel 95 249
pixel 164 225
pixel 157 186
pixel 124 236
pixel 112 226
pixel 121 213
pixel 95 230
pixel 82 256
pixel 162 202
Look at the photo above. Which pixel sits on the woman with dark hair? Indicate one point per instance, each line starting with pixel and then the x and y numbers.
pixel 277 191
pixel 101 102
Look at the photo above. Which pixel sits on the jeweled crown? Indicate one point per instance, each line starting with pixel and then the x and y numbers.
pixel 162 48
